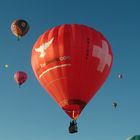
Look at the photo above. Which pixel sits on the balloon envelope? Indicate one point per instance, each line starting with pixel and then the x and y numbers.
pixel 114 104
pixel 6 66
pixel 120 76
pixel 71 62
pixel 19 27
pixel 20 77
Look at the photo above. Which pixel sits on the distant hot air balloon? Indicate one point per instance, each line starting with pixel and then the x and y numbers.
pixel 114 104
pixel 19 28
pixel 72 62
pixel 120 76
pixel 6 66
pixel 136 137
pixel 20 77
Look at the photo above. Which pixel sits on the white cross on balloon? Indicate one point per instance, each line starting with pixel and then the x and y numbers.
pixel 103 54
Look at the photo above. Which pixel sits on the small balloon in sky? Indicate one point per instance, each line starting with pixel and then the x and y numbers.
pixel 20 77
pixel 114 104
pixel 6 65
pixel 120 76
pixel 19 28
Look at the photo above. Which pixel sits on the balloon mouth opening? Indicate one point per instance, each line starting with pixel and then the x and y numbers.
pixel 73 107
pixel 73 111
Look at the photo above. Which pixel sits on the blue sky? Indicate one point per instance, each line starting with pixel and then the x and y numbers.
pixel 28 113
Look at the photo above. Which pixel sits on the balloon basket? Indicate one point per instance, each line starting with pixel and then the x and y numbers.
pixel 73 127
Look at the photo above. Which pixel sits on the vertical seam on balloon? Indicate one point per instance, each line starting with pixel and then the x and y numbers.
pixel 82 56
pixel 69 31
pixel 52 33
pixel 42 41
pixel 78 48
pixel 90 56
pixel 72 54
pixel 89 69
pixel 61 34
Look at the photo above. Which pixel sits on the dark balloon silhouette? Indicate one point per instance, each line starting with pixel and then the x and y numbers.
pixel 19 28
pixel 120 76
pixel 114 104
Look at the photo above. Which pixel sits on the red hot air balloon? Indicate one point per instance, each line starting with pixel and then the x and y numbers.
pixel 20 77
pixel 72 62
